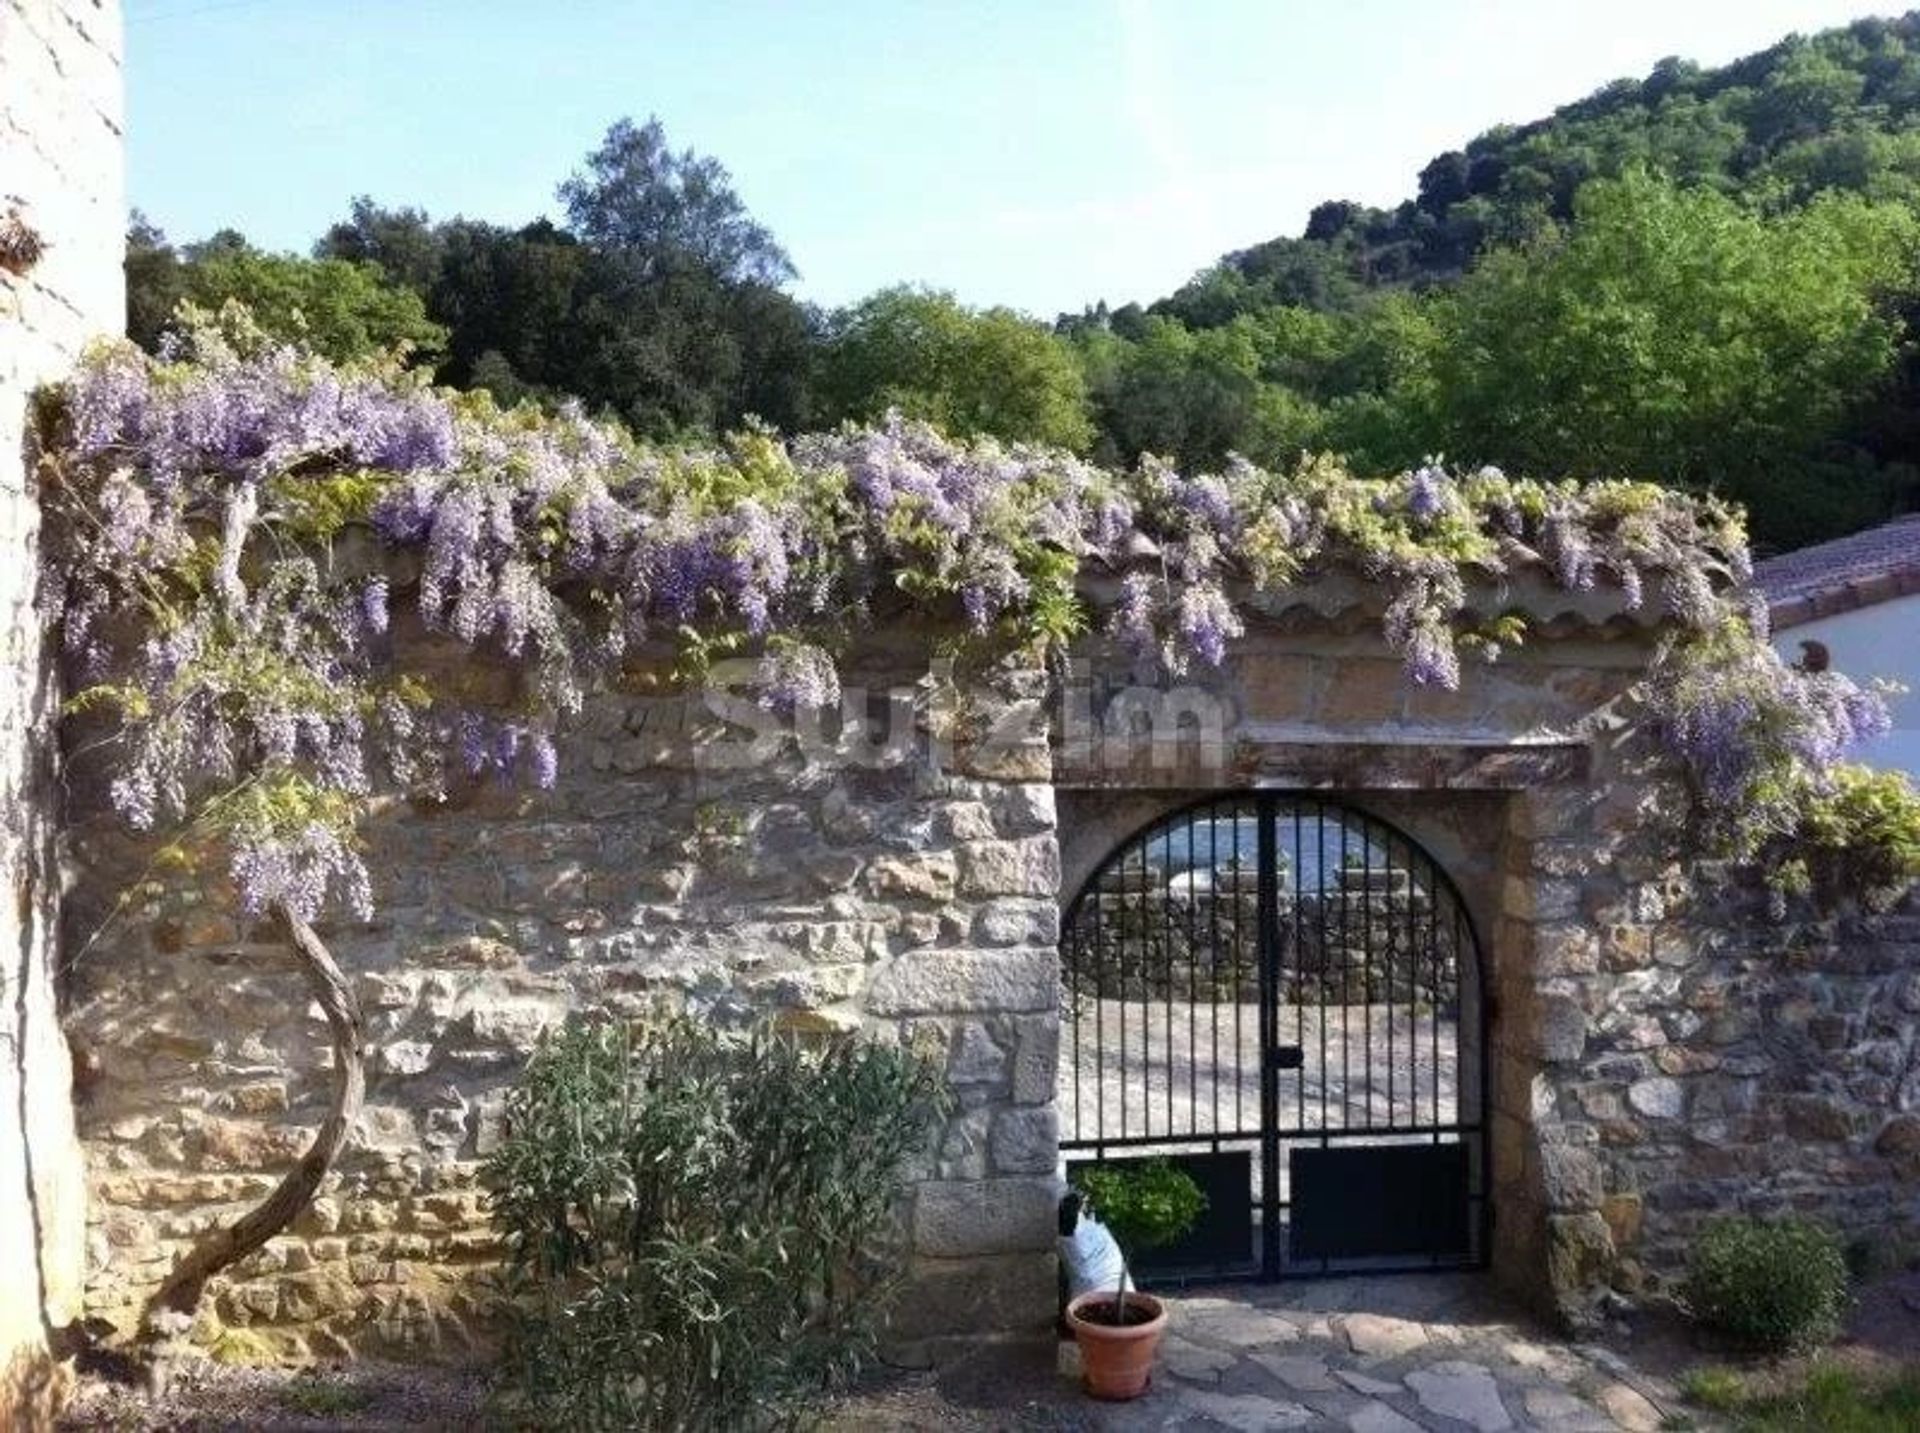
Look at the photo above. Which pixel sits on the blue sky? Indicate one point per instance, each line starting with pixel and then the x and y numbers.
pixel 1041 154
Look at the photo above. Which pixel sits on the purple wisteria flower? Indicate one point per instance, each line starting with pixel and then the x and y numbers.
pixel 1208 622
pixel 1433 658
pixel 374 606
pixel 553 543
pixel 108 402
pixel 1427 489
pixel 1133 621
pixel 797 676
pixel 300 871
pixel 404 515
pixel 544 758
pixel 1206 500
pixel 1568 546
pixel 1756 734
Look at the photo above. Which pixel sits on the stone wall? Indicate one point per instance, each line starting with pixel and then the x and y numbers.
pixel 1657 1050
pixel 911 895
pixel 60 177
pixel 1689 1055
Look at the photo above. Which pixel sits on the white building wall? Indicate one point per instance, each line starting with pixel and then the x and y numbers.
pixel 60 166
pixel 1878 641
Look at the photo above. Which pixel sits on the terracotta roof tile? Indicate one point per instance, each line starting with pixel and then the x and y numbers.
pixel 1861 570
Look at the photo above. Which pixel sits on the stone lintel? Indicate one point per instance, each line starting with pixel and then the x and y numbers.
pixel 1298 763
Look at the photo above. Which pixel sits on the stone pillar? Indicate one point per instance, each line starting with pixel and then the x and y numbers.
pixel 1550 1244
pixel 983 1211
pixel 1595 1090
pixel 60 184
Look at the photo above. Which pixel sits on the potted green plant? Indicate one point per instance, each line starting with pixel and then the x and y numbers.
pixel 1145 1205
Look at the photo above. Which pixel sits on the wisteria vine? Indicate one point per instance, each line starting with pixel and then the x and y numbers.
pixel 237 528
pixel 1766 745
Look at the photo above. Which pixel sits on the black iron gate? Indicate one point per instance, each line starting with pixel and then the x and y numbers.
pixel 1283 995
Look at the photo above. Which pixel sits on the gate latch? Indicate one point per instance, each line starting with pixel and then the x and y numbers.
pixel 1288 1057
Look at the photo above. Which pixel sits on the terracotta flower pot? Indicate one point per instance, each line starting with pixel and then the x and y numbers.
pixel 1116 1360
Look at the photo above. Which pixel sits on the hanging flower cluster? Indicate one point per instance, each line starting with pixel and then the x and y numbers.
pixel 237 527
pixel 1766 746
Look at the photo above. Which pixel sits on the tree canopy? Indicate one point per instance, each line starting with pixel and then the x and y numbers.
pixel 639 197
pixel 970 371
pixel 1675 332
pixel 341 308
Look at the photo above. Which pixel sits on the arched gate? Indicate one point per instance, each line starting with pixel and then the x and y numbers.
pixel 1283 995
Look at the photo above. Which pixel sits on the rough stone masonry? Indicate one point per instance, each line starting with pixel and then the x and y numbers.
pixel 1656 1053
pixel 907 890
pixel 61 220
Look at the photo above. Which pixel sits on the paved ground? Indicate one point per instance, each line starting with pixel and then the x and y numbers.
pixel 1381 1356
pixel 1409 1354
pixel 1401 1355
pixel 1375 1355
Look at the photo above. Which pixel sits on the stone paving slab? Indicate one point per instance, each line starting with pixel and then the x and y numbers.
pixel 1416 1354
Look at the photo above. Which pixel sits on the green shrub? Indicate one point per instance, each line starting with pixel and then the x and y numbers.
pixel 694 1220
pixel 1858 836
pixel 1143 1203
pixel 1769 1284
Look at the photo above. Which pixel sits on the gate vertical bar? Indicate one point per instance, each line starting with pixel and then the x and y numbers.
pixel 1166 952
pixel 1193 986
pixel 1120 988
pixel 1297 975
pixel 1367 954
pixel 1213 957
pixel 1324 953
pixel 1072 941
pixel 1466 944
pixel 1099 1012
pixel 1393 948
pixel 1268 925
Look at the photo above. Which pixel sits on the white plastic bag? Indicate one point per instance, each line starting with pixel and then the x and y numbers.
pixel 1090 1257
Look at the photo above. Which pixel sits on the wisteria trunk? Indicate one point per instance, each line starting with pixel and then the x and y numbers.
pixel 169 1313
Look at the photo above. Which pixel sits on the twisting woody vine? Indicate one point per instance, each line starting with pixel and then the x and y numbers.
pixel 235 530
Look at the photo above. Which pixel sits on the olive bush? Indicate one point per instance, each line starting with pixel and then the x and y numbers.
pixel 697 1222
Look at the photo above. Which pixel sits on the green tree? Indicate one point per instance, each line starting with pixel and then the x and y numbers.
pixel 1254 387
pixel 636 194
pixel 1173 392
pixel 345 310
pixel 510 296
pixel 340 309
pixel 1808 89
pixel 678 321
pixel 967 370
pixel 1673 334
pixel 404 242
pixel 156 281
pixel 1380 388
pixel 659 302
